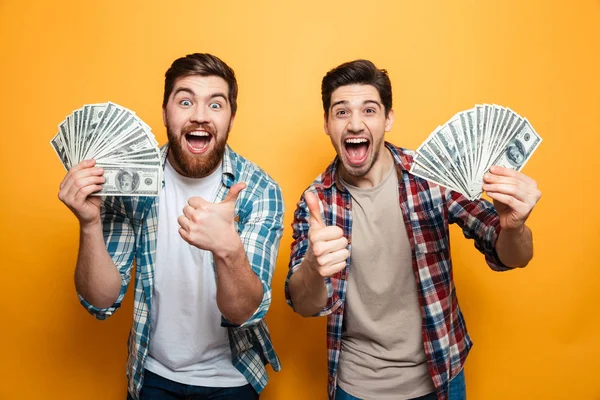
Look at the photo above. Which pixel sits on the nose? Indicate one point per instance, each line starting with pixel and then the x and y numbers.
pixel 355 123
pixel 199 114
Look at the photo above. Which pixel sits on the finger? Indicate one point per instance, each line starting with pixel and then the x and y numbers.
pixel 74 176
pixel 77 167
pixel 72 191
pixel 320 247
pixel 82 196
pixel 95 200
pixel 188 211
pixel 502 188
pixel 197 202
pixel 184 223
pixel 184 235
pixel 333 258
pixel 314 210
pixel 502 171
pixel 325 234
pixel 332 269
pixel 234 192
pixel 516 205
pixel 493 178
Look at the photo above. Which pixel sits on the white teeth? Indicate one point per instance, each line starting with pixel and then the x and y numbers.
pixel 199 133
pixel 356 140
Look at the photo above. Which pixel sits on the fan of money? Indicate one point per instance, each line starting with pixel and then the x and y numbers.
pixel 119 141
pixel 458 154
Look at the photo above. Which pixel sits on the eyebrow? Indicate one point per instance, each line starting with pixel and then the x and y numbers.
pixel 191 93
pixel 345 102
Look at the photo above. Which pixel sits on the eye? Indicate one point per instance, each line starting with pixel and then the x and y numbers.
pixel 341 113
pixel 370 111
pixel 185 103
pixel 215 106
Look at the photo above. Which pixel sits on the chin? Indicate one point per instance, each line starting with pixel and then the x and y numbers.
pixel 357 171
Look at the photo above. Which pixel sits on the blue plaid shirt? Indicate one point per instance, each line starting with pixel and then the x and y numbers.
pixel 130 232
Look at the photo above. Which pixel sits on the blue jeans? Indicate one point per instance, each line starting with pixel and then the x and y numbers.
pixel 158 388
pixel 458 391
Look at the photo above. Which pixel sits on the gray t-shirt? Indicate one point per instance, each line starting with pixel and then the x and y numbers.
pixel 382 353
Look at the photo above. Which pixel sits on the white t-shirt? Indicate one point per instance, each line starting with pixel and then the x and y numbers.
pixel 187 343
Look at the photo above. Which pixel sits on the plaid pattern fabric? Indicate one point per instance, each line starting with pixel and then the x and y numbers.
pixel 130 229
pixel 427 209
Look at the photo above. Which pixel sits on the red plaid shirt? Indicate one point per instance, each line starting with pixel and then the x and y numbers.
pixel 427 209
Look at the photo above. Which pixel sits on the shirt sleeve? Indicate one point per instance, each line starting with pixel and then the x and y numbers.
pixel 120 243
pixel 479 221
pixel 300 227
pixel 260 233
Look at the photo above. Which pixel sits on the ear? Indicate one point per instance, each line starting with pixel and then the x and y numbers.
pixel 231 121
pixel 164 114
pixel 325 124
pixel 389 121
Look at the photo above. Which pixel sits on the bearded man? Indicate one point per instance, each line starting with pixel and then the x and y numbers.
pixel 204 249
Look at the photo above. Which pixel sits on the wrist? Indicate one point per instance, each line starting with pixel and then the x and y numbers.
pixel 311 271
pixel 86 228
pixel 514 231
pixel 229 248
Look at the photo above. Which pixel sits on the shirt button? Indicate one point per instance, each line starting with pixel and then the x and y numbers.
pixel 348 206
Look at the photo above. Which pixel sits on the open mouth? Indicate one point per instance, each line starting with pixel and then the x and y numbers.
pixel 357 150
pixel 198 141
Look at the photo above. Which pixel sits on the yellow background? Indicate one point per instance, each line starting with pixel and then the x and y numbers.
pixel 536 331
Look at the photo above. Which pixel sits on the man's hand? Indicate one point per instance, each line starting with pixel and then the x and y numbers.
pixel 514 194
pixel 327 252
pixel 210 226
pixel 75 189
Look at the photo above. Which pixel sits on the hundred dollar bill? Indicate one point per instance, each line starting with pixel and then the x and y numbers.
pixel 130 181
pixel 61 150
pixel 520 148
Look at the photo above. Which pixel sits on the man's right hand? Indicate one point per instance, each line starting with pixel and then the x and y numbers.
pixel 75 189
pixel 327 252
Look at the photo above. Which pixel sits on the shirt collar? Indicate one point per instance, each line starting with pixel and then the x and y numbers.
pixel 229 161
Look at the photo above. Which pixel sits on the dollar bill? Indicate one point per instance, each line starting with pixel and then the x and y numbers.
pixel 130 181
pixel 119 141
pixel 458 153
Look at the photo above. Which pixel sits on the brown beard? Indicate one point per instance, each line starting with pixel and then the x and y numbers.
pixel 196 166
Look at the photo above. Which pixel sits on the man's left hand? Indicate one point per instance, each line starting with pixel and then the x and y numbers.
pixel 514 195
pixel 210 226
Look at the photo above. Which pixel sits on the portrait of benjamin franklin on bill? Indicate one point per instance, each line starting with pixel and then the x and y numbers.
pixel 127 180
pixel 515 153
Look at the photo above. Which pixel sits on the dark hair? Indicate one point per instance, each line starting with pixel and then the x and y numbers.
pixel 357 72
pixel 202 64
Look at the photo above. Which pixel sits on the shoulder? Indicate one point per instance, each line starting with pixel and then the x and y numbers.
pixel 259 182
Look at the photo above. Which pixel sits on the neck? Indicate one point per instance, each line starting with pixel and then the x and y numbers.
pixel 375 175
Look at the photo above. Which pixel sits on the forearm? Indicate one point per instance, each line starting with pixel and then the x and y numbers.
pixel 515 247
pixel 307 290
pixel 239 289
pixel 97 279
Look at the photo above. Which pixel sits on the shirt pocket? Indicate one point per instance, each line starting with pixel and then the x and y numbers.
pixel 430 230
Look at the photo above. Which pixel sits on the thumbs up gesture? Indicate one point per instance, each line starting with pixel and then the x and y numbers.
pixel 209 226
pixel 327 252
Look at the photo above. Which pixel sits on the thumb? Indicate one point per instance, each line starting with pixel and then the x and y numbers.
pixel 95 200
pixel 312 202
pixel 234 192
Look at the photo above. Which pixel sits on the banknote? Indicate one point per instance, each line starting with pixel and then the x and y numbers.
pixel 119 141
pixel 457 154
